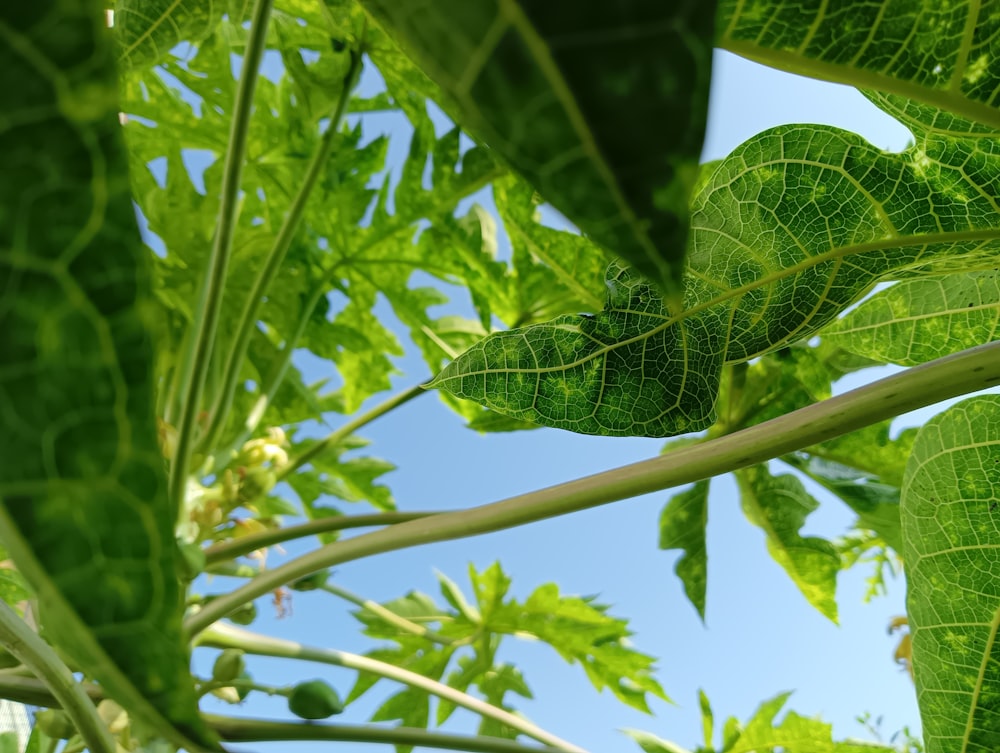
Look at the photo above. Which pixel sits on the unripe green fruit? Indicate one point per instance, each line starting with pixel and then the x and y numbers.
pixel 310 582
pixel 245 614
pixel 192 560
pixel 228 665
pixel 55 723
pixel 314 700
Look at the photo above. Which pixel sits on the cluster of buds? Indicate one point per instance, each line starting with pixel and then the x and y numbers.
pixel 250 476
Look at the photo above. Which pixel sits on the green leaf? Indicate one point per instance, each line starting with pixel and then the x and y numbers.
pixel 652 744
pixel 707 718
pixel 606 121
pixel 85 513
pixel 916 321
pixel 951 488
pixel 789 230
pixel 941 54
pixel 682 526
pixel 779 506
pixel 148 29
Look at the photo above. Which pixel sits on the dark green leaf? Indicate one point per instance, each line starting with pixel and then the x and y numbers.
pixel 86 516
pixel 601 106
pixel 682 526
pixel 950 530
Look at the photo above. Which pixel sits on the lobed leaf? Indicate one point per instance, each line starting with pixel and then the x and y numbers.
pixel 950 529
pixel 682 526
pixel 779 506
pixel 85 513
pixel 790 229
pixel 600 106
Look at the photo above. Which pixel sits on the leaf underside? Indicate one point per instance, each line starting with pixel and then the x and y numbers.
pixel 951 525
pixel 85 510
pixel 790 229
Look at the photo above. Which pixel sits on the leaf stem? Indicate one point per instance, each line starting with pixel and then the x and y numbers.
pixel 968 371
pixel 239 730
pixel 40 658
pixel 387 615
pixel 198 349
pixel 275 258
pixel 336 437
pixel 227 550
pixel 228 636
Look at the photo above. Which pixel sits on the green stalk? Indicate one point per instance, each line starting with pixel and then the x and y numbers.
pixel 275 258
pixel 232 548
pixel 40 658
pixel 228 636
pixel 196 359
pixel 968 371
pixel 237 730
pixel 338 436
pixel 386 615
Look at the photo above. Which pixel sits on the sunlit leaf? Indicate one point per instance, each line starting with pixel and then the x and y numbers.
pixel 950 530
pixel 779 505
pixel 85 513
pixel 942 54
pixel 600 106
pixel 789 230
pixel 682 526
pixel 916 321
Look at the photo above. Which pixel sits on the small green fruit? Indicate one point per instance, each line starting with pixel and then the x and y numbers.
pixel 55 723
pixel 314 700
pixel 228 665
pixel 310 582
pixel 192 560
pixel 245 615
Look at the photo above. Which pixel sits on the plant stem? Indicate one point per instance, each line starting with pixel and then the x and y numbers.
pixel 252 730
pixel 970 370
pixel 198 349
pixel 40 658
pixel 275 258
pixel 335 437
pixel 227 550
pixel 228 636
pixel 387 615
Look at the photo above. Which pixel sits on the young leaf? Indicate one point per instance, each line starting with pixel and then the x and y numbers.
pixel 950 529
pixel 916 321
pixel 85 512
pixel 682 526
pixel 600 106
pixel 148 29
pixel 789 230
pixel 940 54
pixel 779 505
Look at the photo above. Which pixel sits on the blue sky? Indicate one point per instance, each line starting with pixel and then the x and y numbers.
pixel 760 636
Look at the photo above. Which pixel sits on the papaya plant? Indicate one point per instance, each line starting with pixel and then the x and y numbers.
pixel 161 435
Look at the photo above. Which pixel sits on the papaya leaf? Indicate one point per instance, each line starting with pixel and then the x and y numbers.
pixel 791 228
pixel 682 526
pixel 148 29
pixel 950 529
pixel 779 506
pixel 85 514
pixel 600 106
pixel 941 54
pixel 916 321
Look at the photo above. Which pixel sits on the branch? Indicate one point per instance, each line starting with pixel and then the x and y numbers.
pixel 252 730
pixel 40 658
pixel 970 370
pixel 238 547
pixel 228 636
pixel 275 258
pixel 198 348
